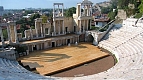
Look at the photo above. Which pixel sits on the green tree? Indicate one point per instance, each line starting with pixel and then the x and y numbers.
pixel 70 12
pixel 141 7
pixel 112 14
pixel 5 16
pixel 114 3
pixel 5 35
pixel 24 22
pixel 106 10
pixel 44 18
pixel 32 19
pixel 123 4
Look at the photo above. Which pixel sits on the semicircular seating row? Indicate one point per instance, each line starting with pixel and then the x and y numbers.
pixel 125 43
pixel 11 70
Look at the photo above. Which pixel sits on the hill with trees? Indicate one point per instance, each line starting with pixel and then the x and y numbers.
pixel 132 7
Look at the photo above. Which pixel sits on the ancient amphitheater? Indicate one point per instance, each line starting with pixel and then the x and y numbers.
pixel 125 42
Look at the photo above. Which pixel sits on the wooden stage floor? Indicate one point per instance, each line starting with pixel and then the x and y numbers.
pixel 59 58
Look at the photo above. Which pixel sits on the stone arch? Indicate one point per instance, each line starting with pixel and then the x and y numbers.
pixel 94 37
pixel 90 38
pixel 82 38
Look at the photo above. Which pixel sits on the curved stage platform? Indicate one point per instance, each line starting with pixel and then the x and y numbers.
pixel 51 61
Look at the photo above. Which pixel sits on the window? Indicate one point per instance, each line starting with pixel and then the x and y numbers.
pixel 66 29
pixel 96 23
pixel 46 31
pixel 74 28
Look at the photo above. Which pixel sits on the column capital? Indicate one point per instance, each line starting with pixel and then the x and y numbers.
pixel 11 22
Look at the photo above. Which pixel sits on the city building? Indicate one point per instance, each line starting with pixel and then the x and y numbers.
pixel 1 10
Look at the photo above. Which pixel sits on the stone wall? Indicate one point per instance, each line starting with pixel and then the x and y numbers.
pixel 121 14
pixel 27 34
pixel 19 35
pixel 12 33
pixel 102 34
pixel 46 26
pixel 97 35
pixel 38 26
pixel 8 54
pixel 34 33
pixel 68 22
pixel 59 26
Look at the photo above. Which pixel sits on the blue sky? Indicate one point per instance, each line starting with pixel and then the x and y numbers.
pixel 22 4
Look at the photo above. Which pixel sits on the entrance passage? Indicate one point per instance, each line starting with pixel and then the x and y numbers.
pixel 53 44
pixel 74 28
pixel 68 41
pixel 34 47
pixel 90 38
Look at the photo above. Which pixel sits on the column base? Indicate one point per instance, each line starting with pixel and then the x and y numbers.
pixel 17 42
pixel 59 33
pixel 42 36
pixel 10 42
pixel 53 33
pixel 95 43
pixel 79 32
pixel 37 36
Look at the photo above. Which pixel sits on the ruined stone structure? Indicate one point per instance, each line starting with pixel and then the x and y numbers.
pixel 41 30
pixel 58 19
pixel 122 14
pixel 63 31
pixel 1 34
pixel 12 32
pixel 82 20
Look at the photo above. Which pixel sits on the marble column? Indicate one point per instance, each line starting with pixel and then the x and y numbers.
pixel 41 45
pixel 31 33
pixel 87 25
pixel 59 27
pixel 36 29
pixel 63 10
pixel 91 10
pixel 90 23
pixel 54 28
pixel 80 10
pixel 15 30
pixel 49 31
pixel 28 47
pixel 87 10
pixel 53 11
pixel 2 40
pixel 80 26
pixel 44 32
pixel 58 11
pixel 32 47
pixel 54 22
pixel 8 31
pixel 38 46
pixel 84 11
pixel 84 26
pixel 78 39
pixel 66 42
pixel 63 28
pixel 41 30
